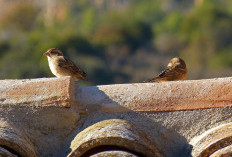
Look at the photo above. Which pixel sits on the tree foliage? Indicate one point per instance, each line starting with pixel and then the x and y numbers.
pixel 120 44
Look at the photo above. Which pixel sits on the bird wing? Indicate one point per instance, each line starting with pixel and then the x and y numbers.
pixel 70 66
pixel 163 76
pixel 170 74
pixel 160 77
pixel 166 72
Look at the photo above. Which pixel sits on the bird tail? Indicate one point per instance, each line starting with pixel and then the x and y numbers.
pixel 156 79
pixel 146 81
pixel 88 80
pixel 150 80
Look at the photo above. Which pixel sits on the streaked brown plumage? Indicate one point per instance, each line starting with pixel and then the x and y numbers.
pixel 176 70
pixel 62 66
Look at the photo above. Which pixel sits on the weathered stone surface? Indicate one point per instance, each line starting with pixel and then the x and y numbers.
pixel 51 123
pixel 169 131
pixel 6 153
pixel 114 154
pixel 40 92
pixel 213 140
pixel 13 139
pixel 156 97
pixel 224 152
pixel 113 133
pixel 44 109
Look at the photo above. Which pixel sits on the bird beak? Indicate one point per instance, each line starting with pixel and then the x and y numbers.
pixel 46 54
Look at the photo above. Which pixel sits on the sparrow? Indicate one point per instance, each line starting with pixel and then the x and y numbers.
pixel 62 66
pixel 176 70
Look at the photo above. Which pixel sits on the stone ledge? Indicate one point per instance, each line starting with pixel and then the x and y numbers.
pixel 43 109
pixel 141 97
pixel 37 107
pixel 38 92
pixel 158 97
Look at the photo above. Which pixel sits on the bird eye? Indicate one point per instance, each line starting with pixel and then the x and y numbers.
pixel 54 53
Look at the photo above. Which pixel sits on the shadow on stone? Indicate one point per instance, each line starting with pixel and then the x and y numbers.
pixel 167 140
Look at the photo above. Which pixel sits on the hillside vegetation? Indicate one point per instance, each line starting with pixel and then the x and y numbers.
pixel 121 44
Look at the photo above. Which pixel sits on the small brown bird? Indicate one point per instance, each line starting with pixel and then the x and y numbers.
pixel 62 66
pixel 176 70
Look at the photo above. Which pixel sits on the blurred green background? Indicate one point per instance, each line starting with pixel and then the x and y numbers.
pixel 116 41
